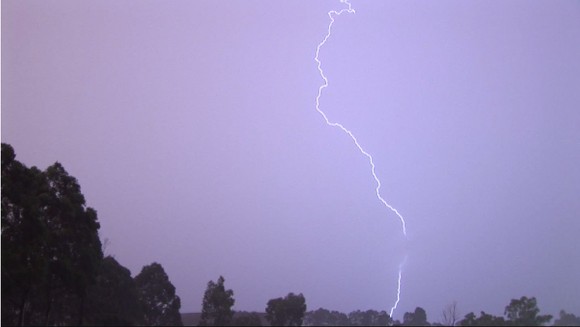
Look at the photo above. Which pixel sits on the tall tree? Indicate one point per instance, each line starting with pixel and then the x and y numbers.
pixel 113 300
pixel 217 304
pixel 287 311
pixel 50 245
pixel 24 233
pixel 74 246
pixel 416 318
pixel 450 315
pixel 159 302
pixel 524 312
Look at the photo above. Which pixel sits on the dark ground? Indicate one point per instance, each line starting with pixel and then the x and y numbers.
pixel 193 318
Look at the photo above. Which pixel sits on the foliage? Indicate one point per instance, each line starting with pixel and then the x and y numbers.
pixel 483 320
pixel 416 318
pixel 567 319
pixel 369 318
pixel 287 311
pixel 51 250
pixel 524 312
pixel 23 234
pixel 159 302
pixel 217 304
pixel 54 273
pixel 74 247
pixel 113 300
pixel 247 319
pixel 324 317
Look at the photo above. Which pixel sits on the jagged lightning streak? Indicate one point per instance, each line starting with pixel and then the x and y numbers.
pixel 331 14
pixel 322 87
pixel 398 287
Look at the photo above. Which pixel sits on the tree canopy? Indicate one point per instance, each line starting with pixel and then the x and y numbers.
pixel 217 304
pixel 484 319
pixel 157 295
pixel 525 312
pixel 416 318
pixel 287 311
pixel 567 319
pixel 51 251
pixel 520 312
pixel 369 318
pixel 324 317
pixel 113 300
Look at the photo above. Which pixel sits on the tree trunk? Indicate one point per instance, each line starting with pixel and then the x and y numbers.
pixel 48 303
pixel 21 312
pixel 81 309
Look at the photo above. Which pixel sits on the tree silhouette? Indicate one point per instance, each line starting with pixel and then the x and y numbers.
pixel 483 320
pixel 567 319
pixel 324 317
pixel 369 318
pixel 51 251
pixel 157 295
pixel 113 300
pixel 417 318
pixel 287 311
pixel 450 315
pixel 217 304
pixel 524 312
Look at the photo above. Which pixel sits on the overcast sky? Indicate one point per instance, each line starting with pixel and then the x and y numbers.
pixel 192 130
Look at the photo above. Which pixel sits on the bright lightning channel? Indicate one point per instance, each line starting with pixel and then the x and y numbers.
pixel 398 287
pixel 325 85
pixel 331 15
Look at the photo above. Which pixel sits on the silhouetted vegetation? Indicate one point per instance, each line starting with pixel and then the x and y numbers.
pixel 247 319
pixel 114 300
pixel 522 312
pixel 217 304
pixel 286 311
pixel 157 297
pixel 53 270
pixel 51 250
pixel 54 273
pixel 324 317
pixel 567 319
pixel 450 315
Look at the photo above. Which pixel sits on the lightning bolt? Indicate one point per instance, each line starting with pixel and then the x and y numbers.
pixel 398 287
pixel 331 15
pixel 328 122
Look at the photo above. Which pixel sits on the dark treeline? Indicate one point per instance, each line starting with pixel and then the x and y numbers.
pixel 520 312
pixel 54 273
pixel 291 311
pixel 53 269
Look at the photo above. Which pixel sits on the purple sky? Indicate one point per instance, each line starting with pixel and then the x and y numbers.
pixel 191 127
